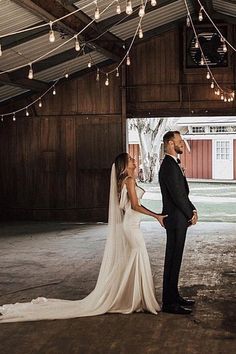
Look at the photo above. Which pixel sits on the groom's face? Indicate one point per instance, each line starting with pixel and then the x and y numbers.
pixel 178 144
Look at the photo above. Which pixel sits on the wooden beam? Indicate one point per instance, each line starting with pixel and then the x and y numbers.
pixel 23 82
pixel 111 21
pixel 108 44
pixel 20 38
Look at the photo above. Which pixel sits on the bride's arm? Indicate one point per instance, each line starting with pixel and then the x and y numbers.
pixel 130 184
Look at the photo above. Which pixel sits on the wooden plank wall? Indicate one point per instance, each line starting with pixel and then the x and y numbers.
pixel 198 162
pixel 158 84
pixel 55 164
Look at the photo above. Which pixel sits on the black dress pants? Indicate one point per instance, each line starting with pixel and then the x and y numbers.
pixel 173 258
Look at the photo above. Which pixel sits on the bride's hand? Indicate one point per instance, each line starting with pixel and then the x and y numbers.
pixel 160 218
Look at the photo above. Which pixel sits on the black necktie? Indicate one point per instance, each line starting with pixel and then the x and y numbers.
pixel 178 161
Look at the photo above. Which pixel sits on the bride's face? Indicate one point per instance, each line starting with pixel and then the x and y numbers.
pixel 131 164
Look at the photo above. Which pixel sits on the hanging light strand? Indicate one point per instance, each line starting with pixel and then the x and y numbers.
pixel 204 61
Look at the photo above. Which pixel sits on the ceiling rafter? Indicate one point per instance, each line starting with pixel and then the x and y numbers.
pixel 109 45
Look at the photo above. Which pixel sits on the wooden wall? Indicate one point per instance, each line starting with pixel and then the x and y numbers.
pixel 56 163
pixel 158 83
pixel 198 162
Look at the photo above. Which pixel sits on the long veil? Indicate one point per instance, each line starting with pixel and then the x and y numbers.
pixel 109 283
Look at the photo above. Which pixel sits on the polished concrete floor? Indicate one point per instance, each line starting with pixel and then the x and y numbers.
pixel 61 260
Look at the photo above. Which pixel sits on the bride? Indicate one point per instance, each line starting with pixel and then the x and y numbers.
pixel 124 283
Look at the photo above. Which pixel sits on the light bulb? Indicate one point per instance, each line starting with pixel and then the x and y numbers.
pixel 200 16
pixel 40 103
pixel 212 84
pixel 97 14
pixel 202 61
pixel 117 72
pixel 141 12
pixel 153 2
pixel 77 45
pixel 31 73
pixel 0 50
pixel 89 64
pixel 98 75
pixel 208 75
pixel 129 8
pixel 229 99
pixel 27 112
pixel 224 47
pixel 1 118
pixel 107 80
pixel 222 97
pixel 196 45
pixel 217 92
pixel 118 9
pixel 14 117
pixel 54 91
pixel 188 23
pixel 51 34
pixel 66 75
pixel 128 60
pixel 140 33
pixel 225 99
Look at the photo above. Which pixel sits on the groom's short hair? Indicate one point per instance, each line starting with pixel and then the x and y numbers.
pixel 170 135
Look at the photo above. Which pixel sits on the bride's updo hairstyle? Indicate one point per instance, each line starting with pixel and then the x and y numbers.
pixel 121 164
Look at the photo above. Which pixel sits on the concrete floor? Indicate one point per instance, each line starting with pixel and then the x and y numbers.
pixel 62 260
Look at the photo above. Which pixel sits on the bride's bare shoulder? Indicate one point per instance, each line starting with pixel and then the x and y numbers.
pixel 129 181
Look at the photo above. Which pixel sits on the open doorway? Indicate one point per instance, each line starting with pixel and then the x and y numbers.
pixel 209 161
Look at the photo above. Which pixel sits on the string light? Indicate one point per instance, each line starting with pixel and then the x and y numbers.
pixel 107 80
pixel 202 61
pixel 117 72
pixel 153 2
pixel 66 75
pixel 54 92
pixel 128 60
pixel 31 73
pixel 89 63
pixel 208 75
pixel 188 23
pixel 141 12
pixel 224 47
pixel 97 12
pixel 27 112
pixel 140 32
pixel 77 45
pixel 118 8
pixel 200 16
pixel 212 84
pixel 2 118
pixel 98 75
pixel 14 117
pixel 40 103
pixel 129 9
pixel 51 33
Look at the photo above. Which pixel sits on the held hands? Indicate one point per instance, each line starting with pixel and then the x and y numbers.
pixel 194 219
pixel 160 218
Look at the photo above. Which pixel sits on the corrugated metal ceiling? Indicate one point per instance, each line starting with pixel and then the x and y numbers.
pixel 225 7
pixel 14 17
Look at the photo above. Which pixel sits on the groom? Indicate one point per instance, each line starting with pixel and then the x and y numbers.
pixel 181 214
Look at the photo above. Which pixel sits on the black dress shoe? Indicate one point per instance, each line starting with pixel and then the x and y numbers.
pixel 176 309
pixel 185 302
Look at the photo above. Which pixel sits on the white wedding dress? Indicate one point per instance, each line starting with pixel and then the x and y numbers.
pixel 124 284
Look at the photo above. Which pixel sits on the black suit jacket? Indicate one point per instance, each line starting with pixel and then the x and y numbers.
pixel 175 191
